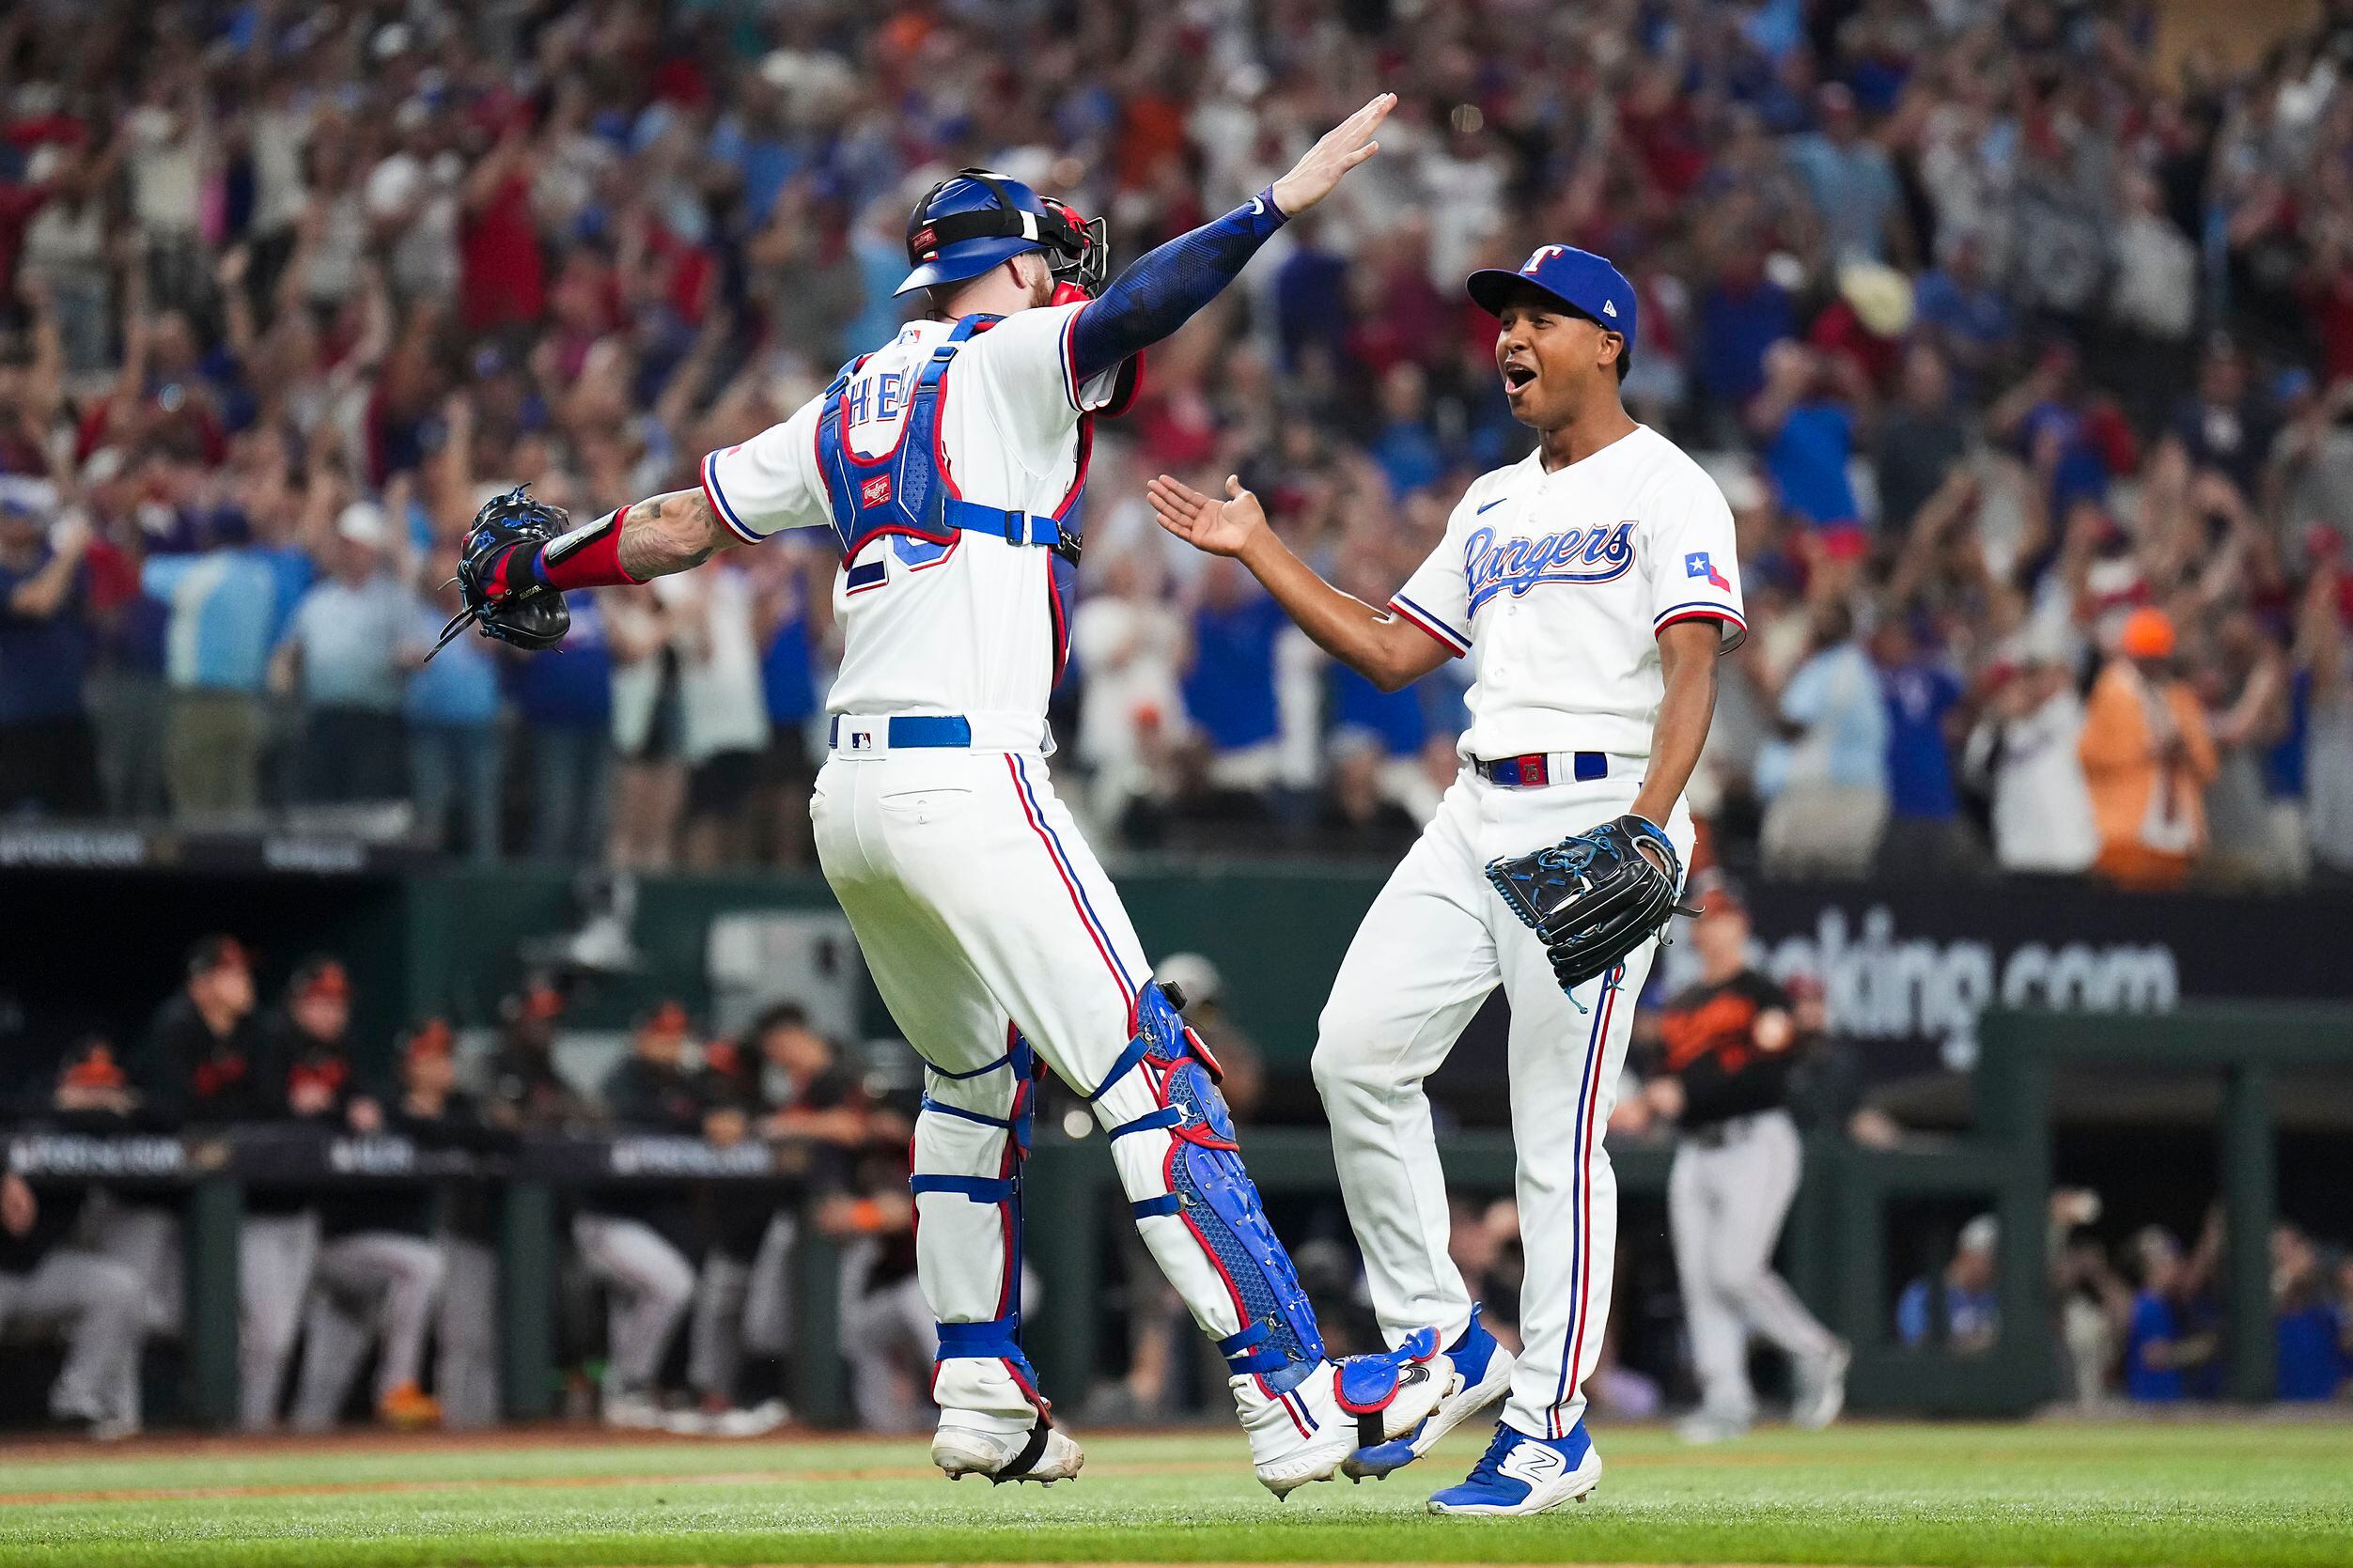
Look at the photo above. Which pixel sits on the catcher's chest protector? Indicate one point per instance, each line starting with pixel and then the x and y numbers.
pixel 907 493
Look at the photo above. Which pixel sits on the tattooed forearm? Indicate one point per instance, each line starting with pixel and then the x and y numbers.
pixel 671 532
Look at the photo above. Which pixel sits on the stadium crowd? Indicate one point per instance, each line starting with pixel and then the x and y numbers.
pixel 2026 364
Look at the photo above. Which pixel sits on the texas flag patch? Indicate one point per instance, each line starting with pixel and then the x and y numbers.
pixel 1697 564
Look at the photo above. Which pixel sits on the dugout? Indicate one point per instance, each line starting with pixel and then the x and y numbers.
pixel 2152 1070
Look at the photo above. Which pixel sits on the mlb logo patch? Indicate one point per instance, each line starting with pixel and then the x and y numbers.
pixel 1697 564
pixel 875 492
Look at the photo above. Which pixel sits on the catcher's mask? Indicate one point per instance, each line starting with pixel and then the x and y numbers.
pixel 976 219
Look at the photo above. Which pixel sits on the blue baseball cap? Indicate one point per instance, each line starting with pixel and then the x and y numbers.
pixel 1583 282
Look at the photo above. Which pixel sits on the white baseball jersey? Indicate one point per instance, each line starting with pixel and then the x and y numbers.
pixel 1556 586
pixel 960 628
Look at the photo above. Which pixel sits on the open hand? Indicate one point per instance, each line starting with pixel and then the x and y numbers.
pixel 1221 528
pixel 1342 147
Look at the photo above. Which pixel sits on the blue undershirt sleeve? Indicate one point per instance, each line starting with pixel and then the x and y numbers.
pixel 1165 286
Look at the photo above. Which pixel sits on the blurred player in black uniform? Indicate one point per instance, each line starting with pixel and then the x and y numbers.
pixel 308 1085
pixel 196 1065
pixel 1728 1045
pixel 48 1282
pixel 637 1241
pixel 526 1092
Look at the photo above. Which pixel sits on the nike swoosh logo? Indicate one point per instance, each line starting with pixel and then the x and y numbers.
pixel 1492 505
pixel 1257 207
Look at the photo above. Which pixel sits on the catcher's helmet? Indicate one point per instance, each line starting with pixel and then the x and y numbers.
pixel 976 219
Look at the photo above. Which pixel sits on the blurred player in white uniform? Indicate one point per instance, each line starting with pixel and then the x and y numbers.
pixel 950 465
pixel 1592 585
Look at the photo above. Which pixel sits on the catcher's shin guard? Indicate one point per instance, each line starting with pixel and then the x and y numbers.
pixel 1192 1199
pixel 971 1137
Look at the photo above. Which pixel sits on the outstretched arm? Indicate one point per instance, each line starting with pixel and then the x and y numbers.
pixel 1166 286
pixel 643 540
pixel 1390 653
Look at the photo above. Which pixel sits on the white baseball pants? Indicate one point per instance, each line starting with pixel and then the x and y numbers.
pixel 1725 1203
pixel 1437 941
pixel 981 911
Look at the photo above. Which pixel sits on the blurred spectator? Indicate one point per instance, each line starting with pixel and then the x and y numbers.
pixel 565 707
pixel 792 609
pixel 1960 1311
pixel 2166 1345
pixel 723 708
pixel 1354 817
pixel 48 757
pixel 2024 753
pixel 341 653
pixel 2327 701
pixel 2307 1322
pixel 452 710
pixel 1229 688
pixel 2148 758
pixel 1851 181
pixel 648 720
pixel 1825 778
pixel 1130 648
pixel 1926 831
pixel 1922 439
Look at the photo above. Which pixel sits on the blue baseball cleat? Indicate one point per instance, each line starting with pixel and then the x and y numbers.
pixel 1520 1474
pixel 1482 1373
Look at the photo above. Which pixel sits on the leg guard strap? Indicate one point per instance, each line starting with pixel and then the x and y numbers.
pixel 998 1338
pixel 1243 1352
pixel 1167 1116
pixel 980 1189
pixel 944 1109
pixel 1153 1208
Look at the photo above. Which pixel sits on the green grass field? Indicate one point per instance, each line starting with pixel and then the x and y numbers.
pixel 2242 1494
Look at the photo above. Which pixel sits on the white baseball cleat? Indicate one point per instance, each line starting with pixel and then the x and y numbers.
pixel 1299 1432
pixel 1520 1474
pixel 1482 1374
pixel 633 1412
pixel 1043 1454
pixel 1821 1391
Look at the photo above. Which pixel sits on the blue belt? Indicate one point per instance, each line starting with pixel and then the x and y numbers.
pixel 1535 767
pixel 1013 527
pixel 915 730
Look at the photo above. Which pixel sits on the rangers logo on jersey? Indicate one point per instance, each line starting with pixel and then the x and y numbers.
pixel 1602 554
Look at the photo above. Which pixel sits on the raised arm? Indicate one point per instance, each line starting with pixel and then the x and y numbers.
pixel 1167 285
pixel 1387 651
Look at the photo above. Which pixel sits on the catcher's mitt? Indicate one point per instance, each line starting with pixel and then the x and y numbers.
pixel 527 614
pixel 1594 896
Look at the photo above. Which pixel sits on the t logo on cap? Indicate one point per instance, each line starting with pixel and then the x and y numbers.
pixel 1543 253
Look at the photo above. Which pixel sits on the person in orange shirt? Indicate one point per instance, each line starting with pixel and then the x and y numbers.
pixel 2148 758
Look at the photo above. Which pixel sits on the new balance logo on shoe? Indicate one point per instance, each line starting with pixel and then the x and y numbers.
pixel 1533 1463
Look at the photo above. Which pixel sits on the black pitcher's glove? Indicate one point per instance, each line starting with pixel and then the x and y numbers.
pixel 494 575
pixel 1594 896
